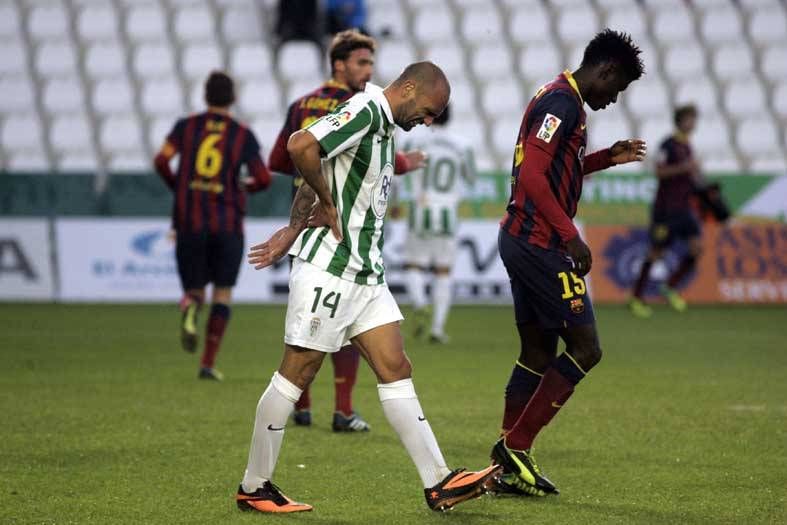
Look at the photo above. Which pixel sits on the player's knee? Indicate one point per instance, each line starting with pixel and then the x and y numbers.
pixel 396 370
pixel 587 354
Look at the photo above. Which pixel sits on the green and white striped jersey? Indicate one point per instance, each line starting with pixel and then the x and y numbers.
pixel 438 188
pixel 357 143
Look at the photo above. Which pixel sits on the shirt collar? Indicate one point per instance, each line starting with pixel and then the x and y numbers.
pixel 573 84
pixel 376 92
pixel 336 84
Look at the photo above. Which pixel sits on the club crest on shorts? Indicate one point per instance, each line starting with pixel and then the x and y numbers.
pixel 314 326
pixel 548 128
pixel 577 306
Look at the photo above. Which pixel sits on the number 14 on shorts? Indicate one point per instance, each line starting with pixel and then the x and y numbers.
pixel 330 301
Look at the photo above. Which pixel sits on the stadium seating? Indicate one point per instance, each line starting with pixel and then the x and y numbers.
pixel 90 84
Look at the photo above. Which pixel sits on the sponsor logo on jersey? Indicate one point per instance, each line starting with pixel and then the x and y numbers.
pixel 381 191
pixel 548 127
pixel 339 119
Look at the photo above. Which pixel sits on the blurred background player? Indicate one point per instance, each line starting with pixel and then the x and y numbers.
pixel 673 217
pixel 208 211
pixel 437 189
pixel 544 255
pixel 352 62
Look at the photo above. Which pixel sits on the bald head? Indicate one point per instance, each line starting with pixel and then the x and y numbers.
pixel 419 95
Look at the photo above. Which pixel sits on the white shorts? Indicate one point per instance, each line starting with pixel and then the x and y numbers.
pixel 437 251
pixel 324 312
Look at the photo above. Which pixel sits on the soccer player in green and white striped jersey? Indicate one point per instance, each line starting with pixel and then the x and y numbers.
pixel 437 190
pixel 337 283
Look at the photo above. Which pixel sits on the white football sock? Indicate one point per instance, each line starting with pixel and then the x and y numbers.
pixel 274 408
pixel 441 293
pixel 403 411
pixel 415 287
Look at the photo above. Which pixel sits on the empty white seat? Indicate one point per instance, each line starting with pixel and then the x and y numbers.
pixel 733 61
pixel 684 61
pixel 300 60
pixel 28 160
pixel 774 62
pixel 606 128
pixel 504 135
pixel 129 161
pixel 105 60
pixel 492 61
pixel 159 128
pixel 530 24
pixel 780 101
pixel 262 96
pixel 48 21
pixel 120 133
pixel 751 5
pixel 194 23
pixel 386 18
pixel 98 22
pixel 654 130
pixel 393 57
pixel 578 24
pixel 56 58
pixel 299 88
pixel 267 131
pixel 162 96
pixel 83 161
pixel 575 55
pixel 63 95
pixel 673 24
pixel 112 96
pixel 17 95
pixel 712 135
pixel 154 60
pixel 772 163
pixel 196 97
pixel 647 98
pixel 757 136
pixel 9 21
pixel 720 162
pixel 721 24
pixel 503 97
pixel 13 58
pixel 699 91
pixel 70 133
pixel 146 22
pixel 462 97
pixel 200 59
pixel 745 98
pixel 21 132
pixel 473 130
pixel 251 61
pixel 630 19
pixel 242 25
pixel 540 63
pixel 481 24
pixel 449 57
pixel 769 25
pixel 434 24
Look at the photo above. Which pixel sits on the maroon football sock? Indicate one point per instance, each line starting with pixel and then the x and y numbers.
pixel 345 371
pixel 305 401
pixel 217 323
pixel 521 385
pixel 686 265
pixel 642 280
pixel 553 391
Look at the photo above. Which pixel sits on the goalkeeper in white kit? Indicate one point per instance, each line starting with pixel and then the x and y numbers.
pixel 437 190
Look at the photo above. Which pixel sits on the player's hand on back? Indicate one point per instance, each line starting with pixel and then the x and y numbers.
pixel 265 254
pixel 325 214
pixel 580 254
pixel 631 150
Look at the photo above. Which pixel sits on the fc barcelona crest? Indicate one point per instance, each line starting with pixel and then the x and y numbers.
pixel 577 306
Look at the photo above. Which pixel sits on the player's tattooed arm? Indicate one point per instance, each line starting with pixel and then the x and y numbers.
pixel 302 207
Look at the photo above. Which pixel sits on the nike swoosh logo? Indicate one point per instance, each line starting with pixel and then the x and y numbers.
pixel 555 405
pixel 582 126
pixel 421 418
pixel 468 478
pixel 273 429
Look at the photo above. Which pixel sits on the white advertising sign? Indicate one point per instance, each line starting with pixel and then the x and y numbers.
pixel 25 260
pixel 134 260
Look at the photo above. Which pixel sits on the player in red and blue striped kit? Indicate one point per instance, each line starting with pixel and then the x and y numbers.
pixel 544 255
pixel 210 202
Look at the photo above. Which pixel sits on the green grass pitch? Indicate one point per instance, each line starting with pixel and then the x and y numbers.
pixel 103 421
